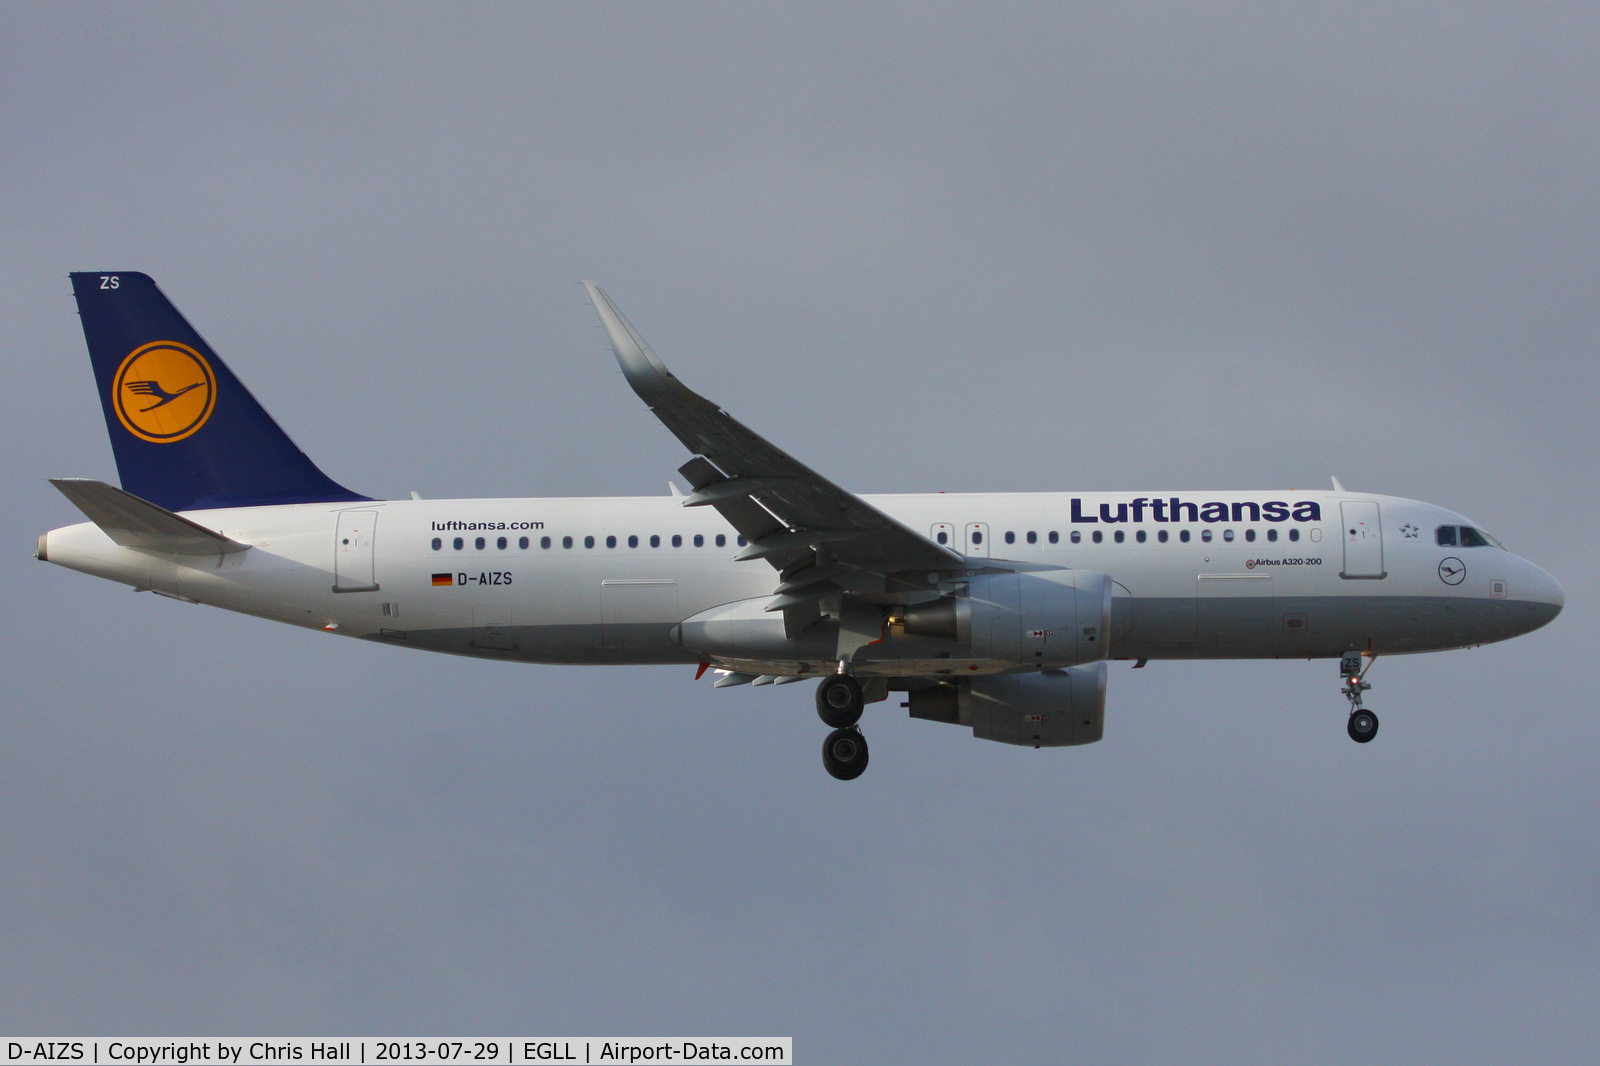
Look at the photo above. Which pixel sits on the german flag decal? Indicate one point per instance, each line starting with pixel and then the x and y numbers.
pixel 443 579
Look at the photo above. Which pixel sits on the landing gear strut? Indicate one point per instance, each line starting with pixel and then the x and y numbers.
pixel 1363 725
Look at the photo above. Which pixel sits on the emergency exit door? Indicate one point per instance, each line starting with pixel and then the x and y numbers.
pixel 978 539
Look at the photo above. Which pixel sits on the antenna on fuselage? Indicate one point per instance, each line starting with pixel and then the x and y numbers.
pixel 1336 486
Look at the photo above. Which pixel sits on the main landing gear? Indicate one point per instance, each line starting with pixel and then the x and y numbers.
pixel 840 701
pixel 1363 725
pixel 839 705
pixel 844 753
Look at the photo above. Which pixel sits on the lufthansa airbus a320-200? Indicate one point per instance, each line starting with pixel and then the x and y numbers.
pixel 996 612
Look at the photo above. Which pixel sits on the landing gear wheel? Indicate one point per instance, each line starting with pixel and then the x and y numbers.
pixel 839 702
pixel 844 754
pixel 1363 726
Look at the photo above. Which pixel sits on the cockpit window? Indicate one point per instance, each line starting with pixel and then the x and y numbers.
pixel 1466 537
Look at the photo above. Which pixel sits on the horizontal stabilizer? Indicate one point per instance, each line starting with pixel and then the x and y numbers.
pixel 135 523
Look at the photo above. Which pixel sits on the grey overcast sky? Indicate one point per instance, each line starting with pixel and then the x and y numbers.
pixel 923 247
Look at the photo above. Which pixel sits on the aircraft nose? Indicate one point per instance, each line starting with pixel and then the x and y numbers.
pixel 1543 594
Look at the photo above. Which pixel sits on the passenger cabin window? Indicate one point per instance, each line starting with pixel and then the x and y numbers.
pixel 588 542
pixel 943 537
pixel 1011 538
pixel 1227 535
pixel 1099 536
pixel 566 542
pixel 459 543
pixel 522 542
pixel 1055 538
pixel 1139 536
pixel 1446 536
pixel 722 540
pixel 1250 534
pixel 611 542
pixel 1120 536
pixel 1205 535
pixel 655 540
pixel 1076 536
pixel 699 540
pixel 1272 534
pixel 501 544
pixel 1161 535
pixel 633 540
pixel 1033 537
pixel 478 544
pixel 1294 534
pixel 677 540
pixel 1183 535
pixel 740 540
pixel 977 536
pixel 544 542
pixel 437 543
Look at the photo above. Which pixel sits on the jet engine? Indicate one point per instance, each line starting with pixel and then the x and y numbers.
pixel 1045 710
pixel 1045 619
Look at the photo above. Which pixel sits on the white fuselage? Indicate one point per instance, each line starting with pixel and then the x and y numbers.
pixel 1197 574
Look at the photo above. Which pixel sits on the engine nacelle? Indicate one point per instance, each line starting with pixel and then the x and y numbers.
pixel 1045 710
pixel 1045 618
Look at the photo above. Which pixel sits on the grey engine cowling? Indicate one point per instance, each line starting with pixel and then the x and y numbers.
pixel 1049 709
pixel 1044 619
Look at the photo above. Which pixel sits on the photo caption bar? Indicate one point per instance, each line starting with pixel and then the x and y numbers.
pixel 381 1051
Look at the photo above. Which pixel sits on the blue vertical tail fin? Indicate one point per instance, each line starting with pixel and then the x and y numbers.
pixel 186 433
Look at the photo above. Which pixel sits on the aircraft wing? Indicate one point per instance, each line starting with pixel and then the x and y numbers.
pixel 790 515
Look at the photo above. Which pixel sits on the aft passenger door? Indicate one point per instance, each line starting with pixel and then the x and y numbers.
pixel 1363 539
pixel 352 552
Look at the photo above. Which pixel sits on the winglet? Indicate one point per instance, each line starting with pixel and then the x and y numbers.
pixel 645 372
pixel 132 522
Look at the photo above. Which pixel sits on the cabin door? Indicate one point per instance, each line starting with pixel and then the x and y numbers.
pixel 353 569
pixel 1363 539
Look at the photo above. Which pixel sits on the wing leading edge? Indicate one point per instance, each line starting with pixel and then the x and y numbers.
pixel 820 538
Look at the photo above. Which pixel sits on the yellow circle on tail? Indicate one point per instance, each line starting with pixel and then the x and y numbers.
pixel 163 392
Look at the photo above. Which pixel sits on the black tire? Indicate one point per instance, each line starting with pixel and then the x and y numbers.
pixel 844 754
pixel 1363 726
pixel 839 701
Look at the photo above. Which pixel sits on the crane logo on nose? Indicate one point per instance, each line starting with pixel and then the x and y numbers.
pixel 1452 571
pixel 163 392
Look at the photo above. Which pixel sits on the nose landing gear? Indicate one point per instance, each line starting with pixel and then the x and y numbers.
pixel 1363 725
